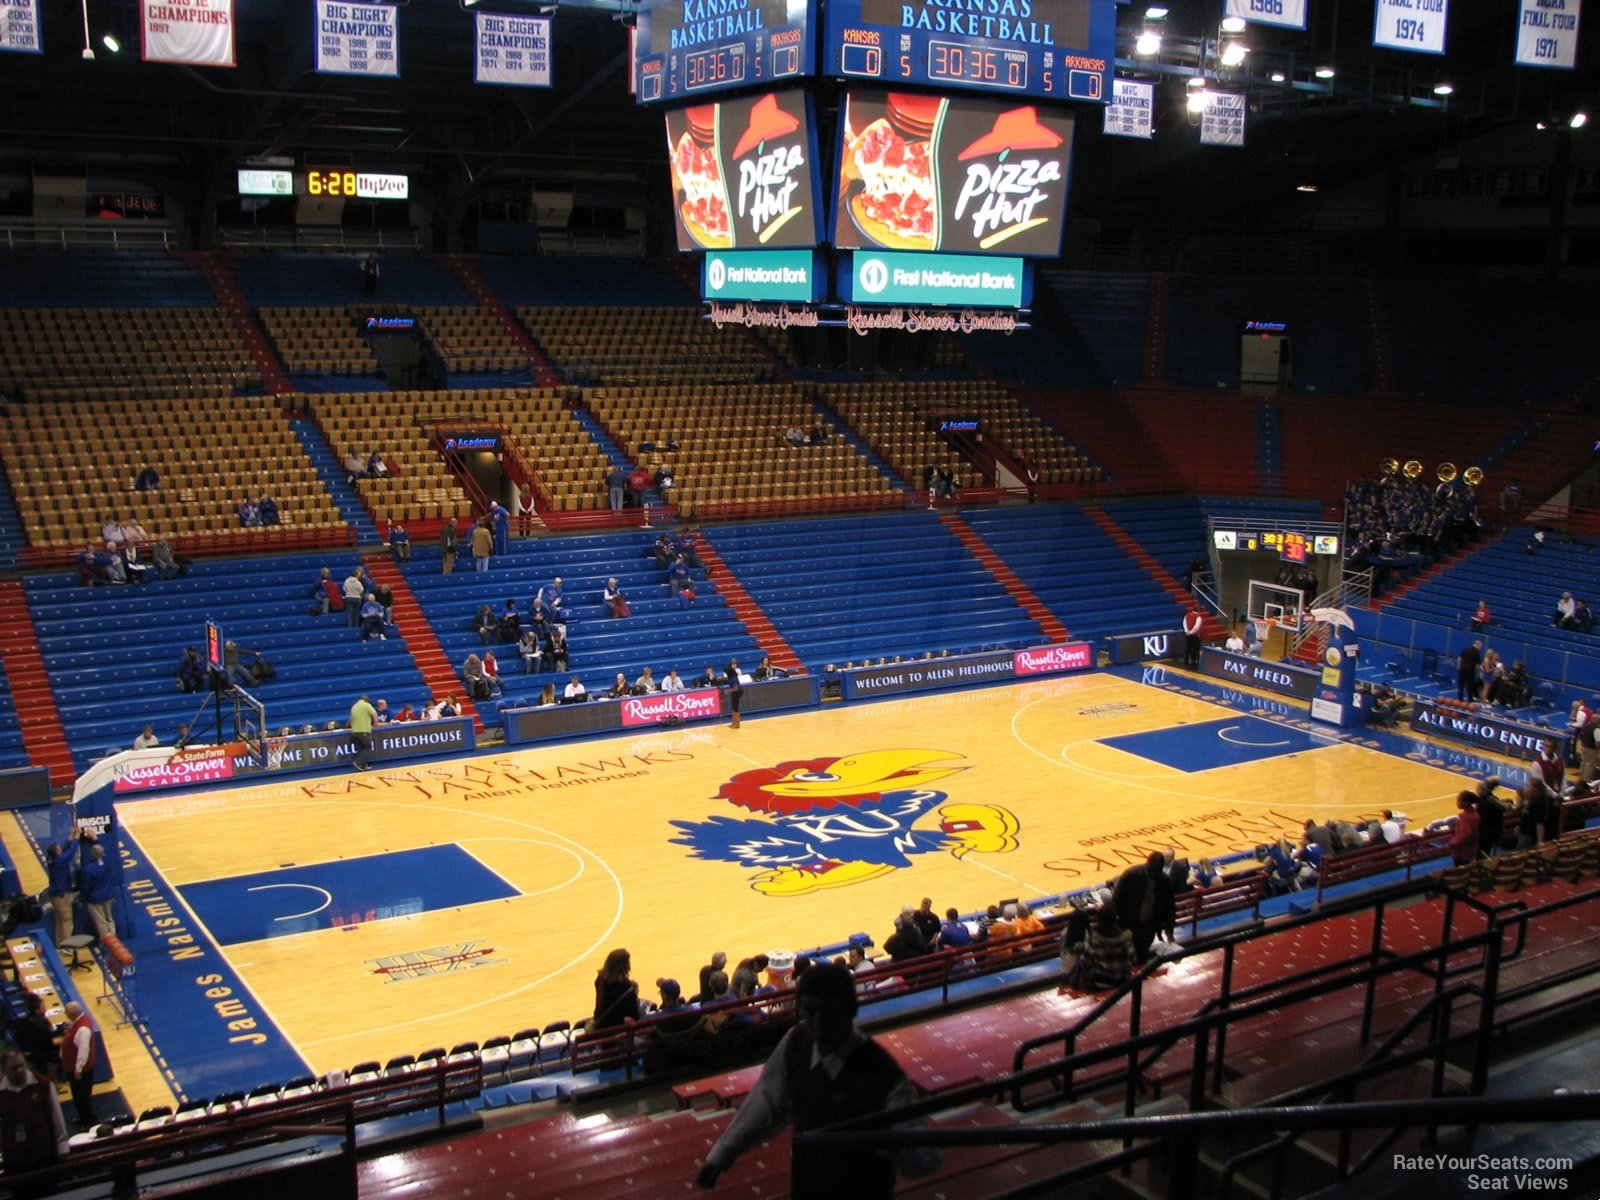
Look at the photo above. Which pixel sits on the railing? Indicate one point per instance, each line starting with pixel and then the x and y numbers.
pixel 1354 587
pixel 319 237
pixel 268 540
pixel 1405 855
pixel 137 234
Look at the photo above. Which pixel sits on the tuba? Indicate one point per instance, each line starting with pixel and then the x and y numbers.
pixel 1446 472
pixel 1473 476
pixel 1412 469
pixel 1389 466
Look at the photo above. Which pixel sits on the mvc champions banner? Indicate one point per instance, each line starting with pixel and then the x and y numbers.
pixel 1416 25
pixel 513 50
pixel 358 39
pixel 197 32
pixel 1130 112
pixel 1287 14
pixel 1222 122
pixel 1547 33
pixel 19 27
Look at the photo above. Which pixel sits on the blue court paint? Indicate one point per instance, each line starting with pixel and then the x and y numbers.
pixel 248 908
pixel 1229 742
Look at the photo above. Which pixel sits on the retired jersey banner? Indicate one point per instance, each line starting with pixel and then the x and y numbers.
pixel 358 39
pixel 19 27
pixel 1131 109
pixel 1222 123
pixel 1416 25
pixel 198 32
pixel 1287 14
pixel 1547 33
pixel 513 50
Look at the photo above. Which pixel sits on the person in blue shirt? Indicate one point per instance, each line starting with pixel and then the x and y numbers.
pixel 267 508
pixel 502 527
pixel 1280 866
pixel 191 671
pixel 148 480
pixel 681 581
pixel 372 619
pixel 249 514
pixel 99 891
pixel 59 861
pixel 400 542
pixel 954 932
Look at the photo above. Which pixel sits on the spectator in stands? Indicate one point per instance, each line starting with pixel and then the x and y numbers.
pixel 509 627
pixel 1552 765
pixel 146 739
pixel 906 941
pixel 1536 541
pixel 91 571
pixel 672 681
pixel 165 564
pixel 148 480
pixel 500 519
pixel 553 600
pixel 818 435
pixel 447 546
pixel 377 465
pixel 953 932
pixel 249 514
pixel 531 651
pixel 1108 956
pixel 399 542
pixel 1565 607
pixel 1235 643
pixel 354 467
pixel 638 485
pixel 325 594
pixel 112 564
pixel 267 507
pixel 486 625
pixel 491 672
pixel 1467 671
pixel 795 436
pixel 406 713
pixel 1144 902
pixel 1463 844
pixel 477 683
pixel 620 688
pixel 547 696
pixel 616 482
pixel 355 591
pixel 555 648
pixel 191 671
pixel 719 960
pixel 482 545
pixel 31 1125
pixel 1482 616
pixel 574 689
pixel 616 603
pixel 385 597
pixel 1026 923
pixel 646 684
pixel 680 581
pixel 372 619
pixel 989 918
pixel 1583 618
pixel 664 481
pixel 99 891
pixel 860 1078
pixel 111 532
pixel 927 921
pixel 710 677
pixel 616 996
pixel 370 272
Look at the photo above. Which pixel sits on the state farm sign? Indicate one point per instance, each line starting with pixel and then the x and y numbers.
pixel 1051 660
pixel 684 706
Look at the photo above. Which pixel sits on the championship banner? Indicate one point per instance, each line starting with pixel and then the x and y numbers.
pixel 19 27
pixel 1286 14
pixel 1415 25
pixel 198 32
pixel 1222 122
pixel 513 50
pixel 1130 113
pixel 358 39
pixel 1547 33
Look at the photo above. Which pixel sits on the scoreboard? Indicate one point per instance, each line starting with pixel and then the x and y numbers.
pixel 688 48
pixel 1052 49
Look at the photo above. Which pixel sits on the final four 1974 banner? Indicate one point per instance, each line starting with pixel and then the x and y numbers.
pixel 198 32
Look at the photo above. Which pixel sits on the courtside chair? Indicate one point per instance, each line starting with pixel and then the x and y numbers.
pixel 522 1052
pixel 191 1110
pixel 362 1072
pixel 401 1064
pixel 561 1030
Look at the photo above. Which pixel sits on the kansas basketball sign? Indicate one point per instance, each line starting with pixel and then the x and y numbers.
pixel 831 822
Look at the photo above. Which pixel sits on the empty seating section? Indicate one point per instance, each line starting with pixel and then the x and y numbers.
pixel 72 466
pixel 1106 310
pixel 332 278
pixel 660 634
pixel 873 587
pixel 472 340
pixel 567 281
pixel 58 278
pixel 106 697
pixel 12 753
pixel 1522 591
pixel 319 341
pixel 621 346
pixel 1508 342
pixel 896 431
pixel 1206 317
pixel 122 353
pixel 731 445
pixel 1084 578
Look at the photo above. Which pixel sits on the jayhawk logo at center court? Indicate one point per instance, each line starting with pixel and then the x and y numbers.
pixel 830 822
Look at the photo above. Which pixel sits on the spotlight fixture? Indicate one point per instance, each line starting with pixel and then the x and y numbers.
pixel 1149 43
pixel 1195 81
pixel 1444 89
pixel 1540 126
pixel 1233 54
pixel 1579 120
pixel 1306 187
pixel 1324 72
pixel 110 42
pixel 1199 100
pixel 1279 77
pixel 1232 24
pixel 1155 13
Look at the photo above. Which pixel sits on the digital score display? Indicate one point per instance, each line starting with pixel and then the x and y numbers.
pixel 340 183
pixel 1055 49
pixel 688 48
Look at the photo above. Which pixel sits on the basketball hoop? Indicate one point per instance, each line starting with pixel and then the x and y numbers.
pixel 272 749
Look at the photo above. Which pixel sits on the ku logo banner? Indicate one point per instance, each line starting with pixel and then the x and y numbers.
pixel 831 822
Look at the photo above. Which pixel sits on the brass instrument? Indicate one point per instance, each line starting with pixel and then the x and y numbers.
pixel 1446 472
pixel 1412 469
pixel 1389 466
pixel 1473 476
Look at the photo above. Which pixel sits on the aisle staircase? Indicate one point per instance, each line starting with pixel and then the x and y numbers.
pixel 744 607
pixel 1212 626
pixel 1049 625
pixel 329 470
pixel 12 535
pixel 420 639
pixel 274 376
pixel 42 732
pixel 1155 329
pixel 464 269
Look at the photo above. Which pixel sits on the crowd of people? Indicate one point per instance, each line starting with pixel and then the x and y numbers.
pixel 126 554
pixel 1397 522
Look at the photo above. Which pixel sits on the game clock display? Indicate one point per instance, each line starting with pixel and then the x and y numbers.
pixel 699 47
pixel 1056 49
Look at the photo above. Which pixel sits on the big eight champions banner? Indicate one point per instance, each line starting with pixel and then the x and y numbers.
pixel 198 32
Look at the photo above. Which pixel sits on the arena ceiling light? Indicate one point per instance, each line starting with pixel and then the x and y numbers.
pixel 1324 72
pixel 110 42
pixel 1149 43
pixel 1444 89
pixel 1199 99
pixel 1279 77
pixel 1233 53
pixel 1579 120
pixel 1155 13
pixel 1232 24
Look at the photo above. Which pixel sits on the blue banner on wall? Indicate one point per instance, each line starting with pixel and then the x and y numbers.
pixel 1482 729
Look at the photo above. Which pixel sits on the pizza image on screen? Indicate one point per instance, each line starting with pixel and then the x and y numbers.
pixel 698 183
pixel 887 177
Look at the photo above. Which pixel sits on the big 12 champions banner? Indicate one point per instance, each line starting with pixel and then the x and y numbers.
pixel 357 39
pixel 19 27
pixel 197 32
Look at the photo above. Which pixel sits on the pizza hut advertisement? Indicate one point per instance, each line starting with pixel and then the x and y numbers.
pixel 744 173
pixel 963 174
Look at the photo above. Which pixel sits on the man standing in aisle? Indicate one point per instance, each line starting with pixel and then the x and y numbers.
pixel 77 1062
pixel 362 716
pixel 1192 622
pixel 447 546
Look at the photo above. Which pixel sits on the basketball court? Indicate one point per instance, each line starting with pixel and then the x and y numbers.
pixel 308 925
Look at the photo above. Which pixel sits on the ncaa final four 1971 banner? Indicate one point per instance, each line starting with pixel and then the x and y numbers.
pixel 19 27
pixel 199 32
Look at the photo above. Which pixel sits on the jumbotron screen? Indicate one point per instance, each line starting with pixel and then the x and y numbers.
pixel 965 174
pixel 689 48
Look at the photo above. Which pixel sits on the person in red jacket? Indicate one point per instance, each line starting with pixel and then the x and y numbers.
pixel 32 1131
pixel 77 1063
pixel 1192 623
pixel 1463 844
